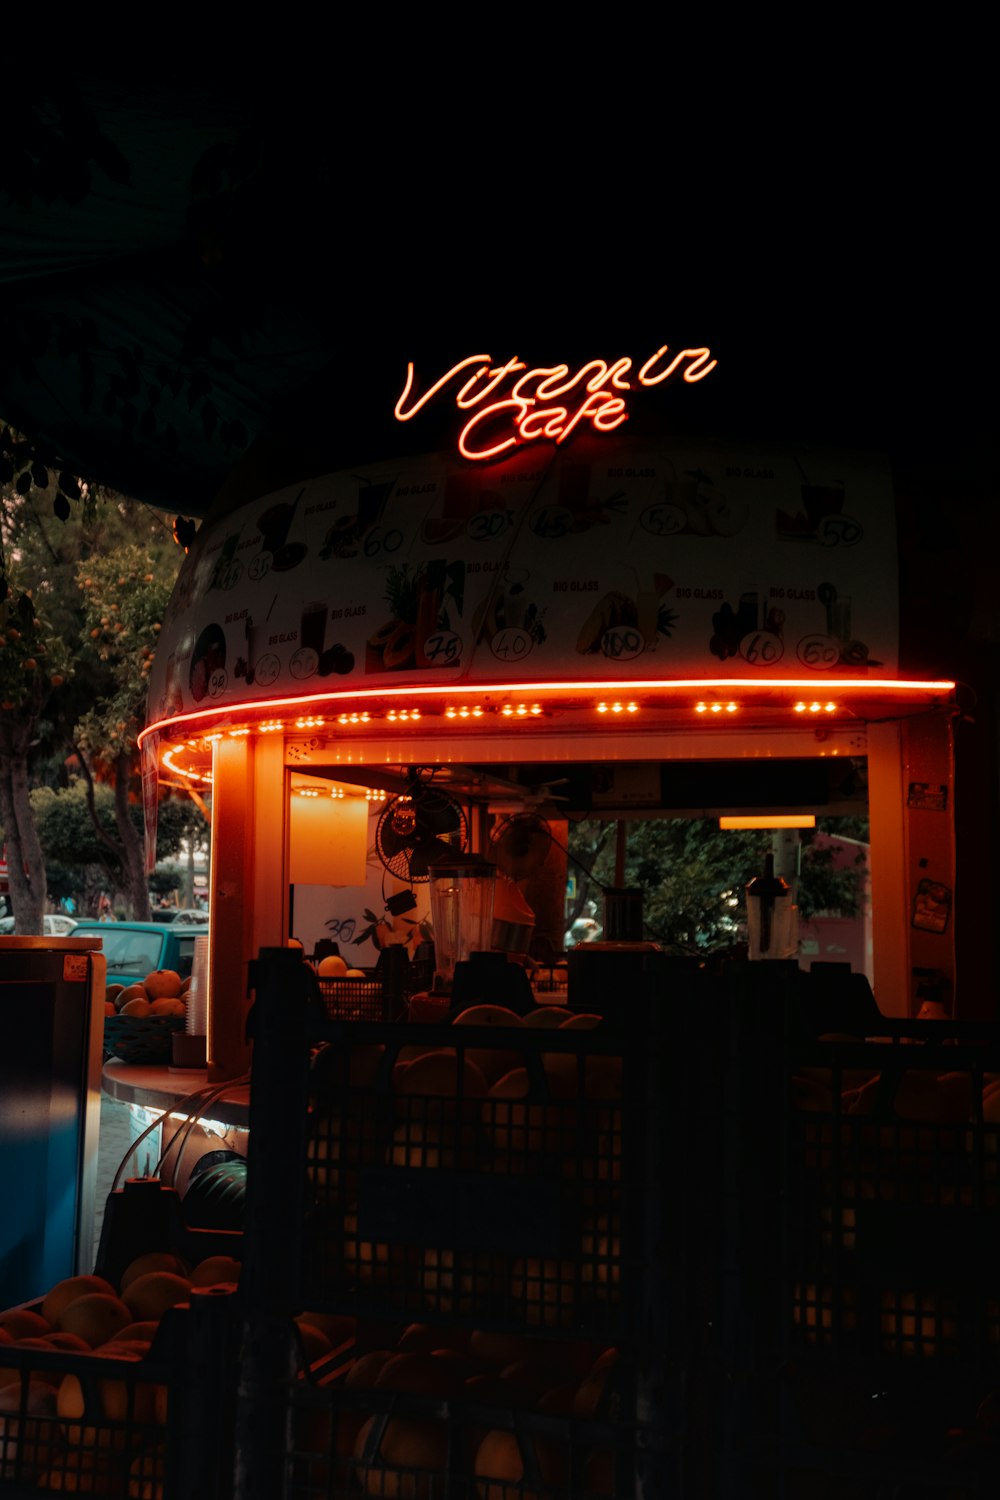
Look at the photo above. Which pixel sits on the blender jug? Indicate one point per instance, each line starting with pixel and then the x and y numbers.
pixel 461 910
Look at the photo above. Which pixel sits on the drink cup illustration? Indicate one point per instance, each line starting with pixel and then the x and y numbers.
pixel 276 522
pixel 312 630
pixel 223 560
pixel 256 641
pixel 838 615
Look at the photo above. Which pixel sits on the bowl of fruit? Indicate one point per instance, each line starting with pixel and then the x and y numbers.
pixel 140 1019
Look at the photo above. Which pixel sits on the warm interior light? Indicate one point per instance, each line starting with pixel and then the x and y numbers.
pixel 768 820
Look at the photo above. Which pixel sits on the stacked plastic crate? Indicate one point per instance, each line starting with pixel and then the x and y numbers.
pixel 862 1316
pixel 475 1201
pixel 145 1412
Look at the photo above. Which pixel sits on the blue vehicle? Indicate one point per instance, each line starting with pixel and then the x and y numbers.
pixel 134 949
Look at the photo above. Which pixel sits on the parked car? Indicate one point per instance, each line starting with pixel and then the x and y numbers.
pixel 54 924
pixel 134 949
pixel 185 916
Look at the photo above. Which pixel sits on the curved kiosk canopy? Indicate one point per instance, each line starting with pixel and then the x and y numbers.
pixel 610 600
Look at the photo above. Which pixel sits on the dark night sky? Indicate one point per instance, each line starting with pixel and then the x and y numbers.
pixel 841 280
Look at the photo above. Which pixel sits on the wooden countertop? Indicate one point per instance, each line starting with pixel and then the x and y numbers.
pixel 160 1086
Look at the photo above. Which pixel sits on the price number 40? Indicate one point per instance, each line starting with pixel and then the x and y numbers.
pixel 510 645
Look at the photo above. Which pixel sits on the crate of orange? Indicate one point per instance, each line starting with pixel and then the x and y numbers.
pixel 122 1386
pixel 470 1170
pixel 865 1329
pixel 484 1180
pixel 479 1416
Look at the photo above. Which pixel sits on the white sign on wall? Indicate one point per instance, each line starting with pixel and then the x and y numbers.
pixel 611 557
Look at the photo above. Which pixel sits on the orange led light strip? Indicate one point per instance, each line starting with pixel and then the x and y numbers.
pixel 872 687
pixel 530 418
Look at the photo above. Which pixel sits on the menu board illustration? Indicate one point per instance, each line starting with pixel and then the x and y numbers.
pixel 617 560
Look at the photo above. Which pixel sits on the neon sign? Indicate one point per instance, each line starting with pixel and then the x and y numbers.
pixel 513 404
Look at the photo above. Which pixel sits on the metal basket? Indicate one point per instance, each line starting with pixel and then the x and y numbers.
pixel 355 999
pixel 140 1039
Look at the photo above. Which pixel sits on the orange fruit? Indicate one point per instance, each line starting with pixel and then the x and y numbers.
pixel 520 1128
pixel 136 1007
pixel 499 1467
pixel 406 1444
pixel 148 1297
pixel 214 1270
pixel 154 1260
pixel 26 1450
pixel 338 1327
pixel 146 1475
pixel 167 1005
pixel 162 984
pixel 96 1317
pixel 63 1293
pixel 84 1473
pixel 364 1371
pixel 499 1348
pixel 550 1016
pixel 22 1324
pixel 420 1374
pixel 134 992
pixel 314 1341
pixel 440 1075
pixel 62 1340
pixel 332 967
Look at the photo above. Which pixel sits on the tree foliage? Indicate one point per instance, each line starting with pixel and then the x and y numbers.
pixel 84 597
pixel 692 875
pixel 123 594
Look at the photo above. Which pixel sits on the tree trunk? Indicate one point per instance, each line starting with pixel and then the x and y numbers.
pixel 134 882
pixel 25 861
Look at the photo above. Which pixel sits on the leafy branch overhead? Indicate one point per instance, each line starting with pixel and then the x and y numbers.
pixel 124 596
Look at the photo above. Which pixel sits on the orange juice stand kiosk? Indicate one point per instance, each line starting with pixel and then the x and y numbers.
pixel 615 605
pixel 634 620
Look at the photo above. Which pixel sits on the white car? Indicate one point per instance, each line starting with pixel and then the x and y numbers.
pixel 54 924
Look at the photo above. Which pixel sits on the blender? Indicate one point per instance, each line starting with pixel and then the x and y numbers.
pixel 462 911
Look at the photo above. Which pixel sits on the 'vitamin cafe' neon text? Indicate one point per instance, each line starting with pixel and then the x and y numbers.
pixel 513 404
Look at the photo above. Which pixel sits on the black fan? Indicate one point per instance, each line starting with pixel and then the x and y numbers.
pixel 416 828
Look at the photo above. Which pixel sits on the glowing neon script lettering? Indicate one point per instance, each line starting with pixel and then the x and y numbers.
pixel 516 411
